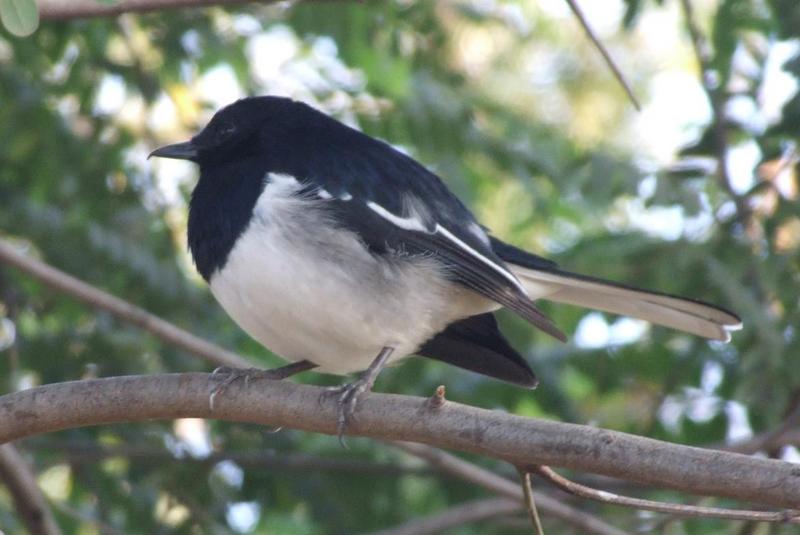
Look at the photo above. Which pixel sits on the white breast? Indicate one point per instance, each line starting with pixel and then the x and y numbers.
pixel 308 290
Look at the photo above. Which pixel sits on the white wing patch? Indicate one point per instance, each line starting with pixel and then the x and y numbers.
pixel 405 223
pixel 498 268
pixel 415 224
pixel 280 185
pixel 282 179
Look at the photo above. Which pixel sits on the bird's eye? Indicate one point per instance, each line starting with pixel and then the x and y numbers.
pixel 225 130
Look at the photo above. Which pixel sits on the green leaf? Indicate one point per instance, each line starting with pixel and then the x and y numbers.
pixel 20 17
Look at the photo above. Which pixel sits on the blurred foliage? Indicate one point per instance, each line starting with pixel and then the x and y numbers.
pixel 508 103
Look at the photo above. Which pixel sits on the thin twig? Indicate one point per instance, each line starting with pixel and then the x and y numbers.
pixel 762 442
pixel 473 473
pixel 122 310
pixel 29 501
pixel 447 462
pixel 459 515
pixel 573 5
pixel 786 517
pixel 785 433
pixel 530 502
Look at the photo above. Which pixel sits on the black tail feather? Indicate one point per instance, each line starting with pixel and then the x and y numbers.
pixel 476 344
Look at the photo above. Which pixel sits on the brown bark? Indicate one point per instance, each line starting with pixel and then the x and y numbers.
pixel 520 441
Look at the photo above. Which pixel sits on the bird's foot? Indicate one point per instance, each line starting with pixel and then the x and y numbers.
pixel 227 376
pixel 347 399
pixel 349 394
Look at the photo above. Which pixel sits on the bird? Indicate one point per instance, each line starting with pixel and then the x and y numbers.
pixel 340 253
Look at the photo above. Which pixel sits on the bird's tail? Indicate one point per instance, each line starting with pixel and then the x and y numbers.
pixel 695 317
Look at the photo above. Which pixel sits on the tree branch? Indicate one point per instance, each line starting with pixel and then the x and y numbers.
pixel 93 296
pixel 764 441
pixel 716 98
pixel 85 451
pixel 466 513
pixel 29 501
pixel 122 310
pixel 80 516
pixel 517 440
pixel 77 9
pixel 788 517
pixel 784 434
pixel 578 12
pixel 530 502
pixel 446 462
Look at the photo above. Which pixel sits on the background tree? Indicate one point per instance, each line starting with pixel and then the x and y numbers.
pixel 697 195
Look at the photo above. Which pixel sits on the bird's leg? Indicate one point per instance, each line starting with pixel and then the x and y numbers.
pixel 234 374
pixel 349 394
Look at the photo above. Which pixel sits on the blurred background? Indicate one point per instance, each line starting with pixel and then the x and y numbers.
pixel 511 104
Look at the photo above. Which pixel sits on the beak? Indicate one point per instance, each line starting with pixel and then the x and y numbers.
pixel 178 151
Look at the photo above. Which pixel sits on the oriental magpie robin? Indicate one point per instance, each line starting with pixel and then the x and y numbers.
pixel 336 251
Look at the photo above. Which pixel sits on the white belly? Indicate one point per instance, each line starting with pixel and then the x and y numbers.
pixel 306 291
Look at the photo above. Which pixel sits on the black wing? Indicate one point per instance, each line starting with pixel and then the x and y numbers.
pixel 394 204
pixel 441 227
pixel 519 257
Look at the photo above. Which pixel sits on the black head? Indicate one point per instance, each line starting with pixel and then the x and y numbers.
pixel 235 151
pixel 237 129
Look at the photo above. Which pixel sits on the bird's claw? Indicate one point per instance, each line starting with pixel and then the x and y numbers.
pixel 233 374
pixel 222 370
pixel 347 397
pixel 229 376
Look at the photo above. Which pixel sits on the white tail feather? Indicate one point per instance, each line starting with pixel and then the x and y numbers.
pixel 682 314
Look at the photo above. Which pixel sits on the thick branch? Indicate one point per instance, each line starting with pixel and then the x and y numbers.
pixel 122 310
pixel 520 441
pixel 63 282
pixel 29 501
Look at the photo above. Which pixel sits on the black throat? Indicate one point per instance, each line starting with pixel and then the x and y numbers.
pixel 220 211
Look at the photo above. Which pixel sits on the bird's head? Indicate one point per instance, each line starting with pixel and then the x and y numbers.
pixel 235 131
